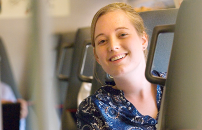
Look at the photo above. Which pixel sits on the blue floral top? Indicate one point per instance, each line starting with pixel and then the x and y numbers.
pixel 108 109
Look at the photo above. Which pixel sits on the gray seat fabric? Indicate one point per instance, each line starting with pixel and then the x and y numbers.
pixel 182 105
pixel 161 59
pixel 64 49
pixel 74 84
pixel 164 44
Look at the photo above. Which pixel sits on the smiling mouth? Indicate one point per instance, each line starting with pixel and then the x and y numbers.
pixel 118 57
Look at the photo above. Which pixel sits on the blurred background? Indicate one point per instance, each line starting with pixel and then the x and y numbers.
pixel 66 15
pixel 65 18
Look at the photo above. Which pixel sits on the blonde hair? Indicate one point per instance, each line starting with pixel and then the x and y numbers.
pixel 133 16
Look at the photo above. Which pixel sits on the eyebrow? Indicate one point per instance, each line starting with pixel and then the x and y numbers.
pixel 98 35
pixel 115 30
pixel 121 28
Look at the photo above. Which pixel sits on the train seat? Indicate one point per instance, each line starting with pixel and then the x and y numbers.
pixel 74 83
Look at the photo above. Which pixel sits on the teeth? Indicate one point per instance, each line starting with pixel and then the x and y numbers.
pixel 118 57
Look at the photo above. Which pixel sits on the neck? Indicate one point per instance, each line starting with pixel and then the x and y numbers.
pixel 134 81
pixel 138 90
pixel 132 84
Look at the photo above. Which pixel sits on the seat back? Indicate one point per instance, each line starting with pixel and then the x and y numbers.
pixel 74 84
pixel 65 47
pixel 165 41
pixel 151 19
pixel 182 105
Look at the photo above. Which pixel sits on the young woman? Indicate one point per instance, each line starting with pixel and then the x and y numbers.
pixel 120 44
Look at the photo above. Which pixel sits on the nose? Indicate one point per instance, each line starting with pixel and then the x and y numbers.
pixel 114 44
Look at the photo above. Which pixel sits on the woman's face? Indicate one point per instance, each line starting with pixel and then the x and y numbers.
pixel 118 47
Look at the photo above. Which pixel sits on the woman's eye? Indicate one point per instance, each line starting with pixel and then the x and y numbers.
pixel 123 34
pixel 102 41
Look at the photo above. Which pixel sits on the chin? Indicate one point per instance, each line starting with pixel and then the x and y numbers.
pixel 117 72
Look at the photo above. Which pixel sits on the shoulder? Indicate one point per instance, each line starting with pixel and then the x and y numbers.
pixel 93 103
pixel 87 106
pixel 89 114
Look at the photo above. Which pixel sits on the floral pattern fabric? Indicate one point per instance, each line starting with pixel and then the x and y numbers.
pixel 108 109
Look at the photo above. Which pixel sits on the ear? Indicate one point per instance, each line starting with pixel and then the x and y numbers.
pixel 144 41
pixel 95 55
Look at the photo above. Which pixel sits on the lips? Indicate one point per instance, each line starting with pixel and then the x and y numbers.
pixel 118 57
